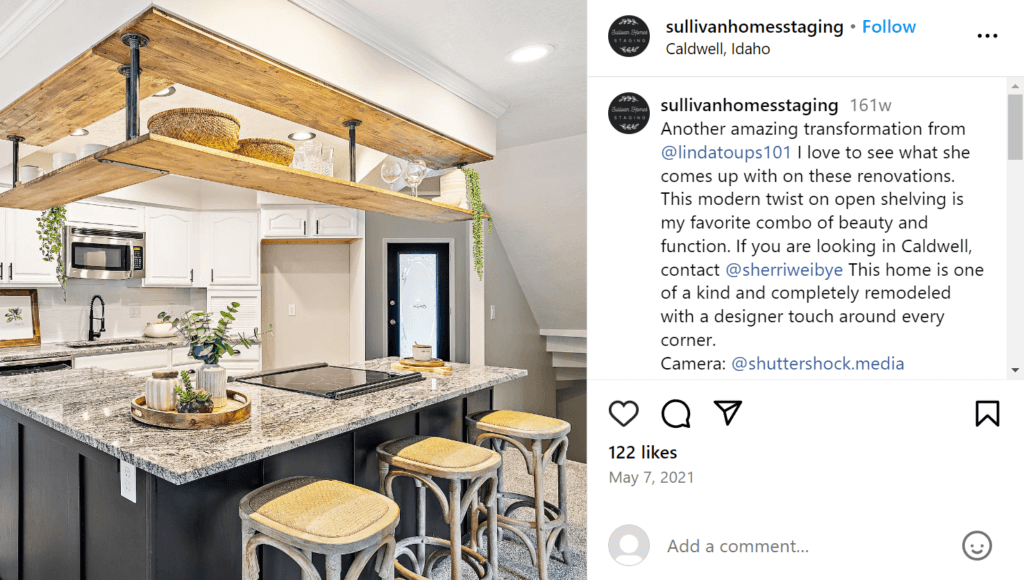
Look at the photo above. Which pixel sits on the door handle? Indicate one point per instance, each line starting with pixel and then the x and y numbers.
pixel 10 271
pixel 303 227
pixel 211 275
pixel 191 276
pixel 318 227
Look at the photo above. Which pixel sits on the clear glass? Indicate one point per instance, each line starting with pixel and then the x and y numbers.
pixel 390 171
pixel 414 174
pixel 417 301
pixel 327 162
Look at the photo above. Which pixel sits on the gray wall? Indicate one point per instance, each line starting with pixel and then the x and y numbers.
pixel 572 407
pixel 513 338
pixel 381 226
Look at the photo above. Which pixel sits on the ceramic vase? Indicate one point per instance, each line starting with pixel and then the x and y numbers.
pixel 160 393
pixel 214 380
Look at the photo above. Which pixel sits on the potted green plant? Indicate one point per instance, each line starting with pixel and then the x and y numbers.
pixel 51 241
pixel 479 210
pixel 190 400
pixel 209 343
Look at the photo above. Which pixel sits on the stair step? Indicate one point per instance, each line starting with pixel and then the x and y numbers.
pixel 569 359
pixel 564 374
pixel 567 344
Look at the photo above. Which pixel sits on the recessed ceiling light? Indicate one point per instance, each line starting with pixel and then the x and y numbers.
pixel 80 133
pixel 166 92
pixel 529 53
pixel 301 136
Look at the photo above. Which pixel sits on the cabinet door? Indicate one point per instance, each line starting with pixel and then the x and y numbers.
pixel 284 222
pixel 25 264
pixel 232 247
pixel 170 244
pixel 96 213
pixel 335 222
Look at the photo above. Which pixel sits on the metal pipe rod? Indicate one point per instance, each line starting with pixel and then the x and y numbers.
pixel 132 124
pixel 352 124
pixel 14 139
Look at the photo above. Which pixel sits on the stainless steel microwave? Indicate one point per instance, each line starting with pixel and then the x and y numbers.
pixel 104 254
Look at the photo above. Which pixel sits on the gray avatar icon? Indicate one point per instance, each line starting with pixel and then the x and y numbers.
pixel 977 545
pixel 629 545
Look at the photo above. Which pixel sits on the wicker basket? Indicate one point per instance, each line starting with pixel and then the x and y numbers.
pixel 200 126
pixel 272 150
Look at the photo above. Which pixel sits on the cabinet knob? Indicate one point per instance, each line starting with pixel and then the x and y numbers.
pixel 392 322
pixel 392 302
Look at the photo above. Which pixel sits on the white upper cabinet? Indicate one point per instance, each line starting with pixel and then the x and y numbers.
pixel 310 221
pixel 230 248
pixel 170 247
pixel 284 222
pixel 334 222
pixel 109 215
pixel 25 264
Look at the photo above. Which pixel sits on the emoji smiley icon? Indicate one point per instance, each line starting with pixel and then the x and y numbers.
pixel 977 545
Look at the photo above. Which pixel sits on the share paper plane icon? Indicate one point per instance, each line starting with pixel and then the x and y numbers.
pixel 729 409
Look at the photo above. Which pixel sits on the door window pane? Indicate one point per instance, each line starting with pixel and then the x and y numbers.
pixel 417 299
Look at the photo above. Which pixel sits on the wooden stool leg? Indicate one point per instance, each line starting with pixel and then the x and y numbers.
pixel 309 555
pixel 334 567
pixel 563 506
pixel 250 563
pixel 455 526
pixel 492 531
pixel 421 525
pixel 538 486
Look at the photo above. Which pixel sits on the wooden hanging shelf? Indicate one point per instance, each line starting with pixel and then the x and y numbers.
pixel 89 89
pixel 150 156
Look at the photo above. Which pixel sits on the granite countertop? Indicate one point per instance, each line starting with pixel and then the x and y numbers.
pixel 92 406
pixel 58 349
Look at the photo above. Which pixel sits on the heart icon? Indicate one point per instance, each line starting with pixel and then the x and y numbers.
pixel 623 411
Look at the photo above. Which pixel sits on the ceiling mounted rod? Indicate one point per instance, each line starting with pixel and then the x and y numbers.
pixel 352 124
pixel 134 41
pixel 14 139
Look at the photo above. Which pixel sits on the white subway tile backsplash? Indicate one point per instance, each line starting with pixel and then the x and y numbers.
pixel 60 321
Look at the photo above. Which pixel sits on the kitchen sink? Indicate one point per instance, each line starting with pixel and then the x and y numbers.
pixel 103 342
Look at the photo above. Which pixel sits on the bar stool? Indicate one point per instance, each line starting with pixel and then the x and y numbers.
pixel 303 515
pixel 422 459
pixel 550 524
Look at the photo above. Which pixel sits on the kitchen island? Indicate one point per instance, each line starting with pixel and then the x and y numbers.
pixel 64 435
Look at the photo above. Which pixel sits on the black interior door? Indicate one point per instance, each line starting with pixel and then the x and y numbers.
pixel 418 305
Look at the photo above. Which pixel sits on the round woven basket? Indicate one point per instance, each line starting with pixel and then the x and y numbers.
pixel 207 127
pixel 272 150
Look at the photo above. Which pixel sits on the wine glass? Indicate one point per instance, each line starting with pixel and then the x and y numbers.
pixel 415 171
pixel 390 171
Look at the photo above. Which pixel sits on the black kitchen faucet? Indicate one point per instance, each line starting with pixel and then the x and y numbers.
pixel 93 335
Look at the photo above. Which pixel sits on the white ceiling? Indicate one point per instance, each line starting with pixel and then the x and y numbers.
pixel 547 98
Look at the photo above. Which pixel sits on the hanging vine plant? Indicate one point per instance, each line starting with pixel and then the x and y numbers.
pixel 479 210
pixel 51 240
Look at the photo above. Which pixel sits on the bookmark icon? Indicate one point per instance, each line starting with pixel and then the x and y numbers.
pixel 728 409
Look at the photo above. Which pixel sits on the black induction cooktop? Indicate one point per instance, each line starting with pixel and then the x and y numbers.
pixel 323 380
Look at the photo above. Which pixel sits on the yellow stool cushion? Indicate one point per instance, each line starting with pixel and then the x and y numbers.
pixel 439 453
pixel 520 421
pixel 322 508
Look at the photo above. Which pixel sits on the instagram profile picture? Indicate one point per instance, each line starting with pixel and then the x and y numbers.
pixel 629 113
pixel 629 545
pixel 629 36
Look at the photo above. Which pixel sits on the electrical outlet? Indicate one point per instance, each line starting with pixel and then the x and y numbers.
pixel 291 310
pixel 128 481
pixel 492 312
pixel 136 311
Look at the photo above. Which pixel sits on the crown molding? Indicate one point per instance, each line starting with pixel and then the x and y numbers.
pixel 344 17
pixel 24 21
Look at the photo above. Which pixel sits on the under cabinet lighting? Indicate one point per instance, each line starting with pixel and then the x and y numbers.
pixel 166 92
pixel 80 133
pixel 529 53
pixel 303 136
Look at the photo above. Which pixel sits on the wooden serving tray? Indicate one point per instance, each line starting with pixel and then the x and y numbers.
pixel 411 362
pixel 445 370
pixel 238 409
